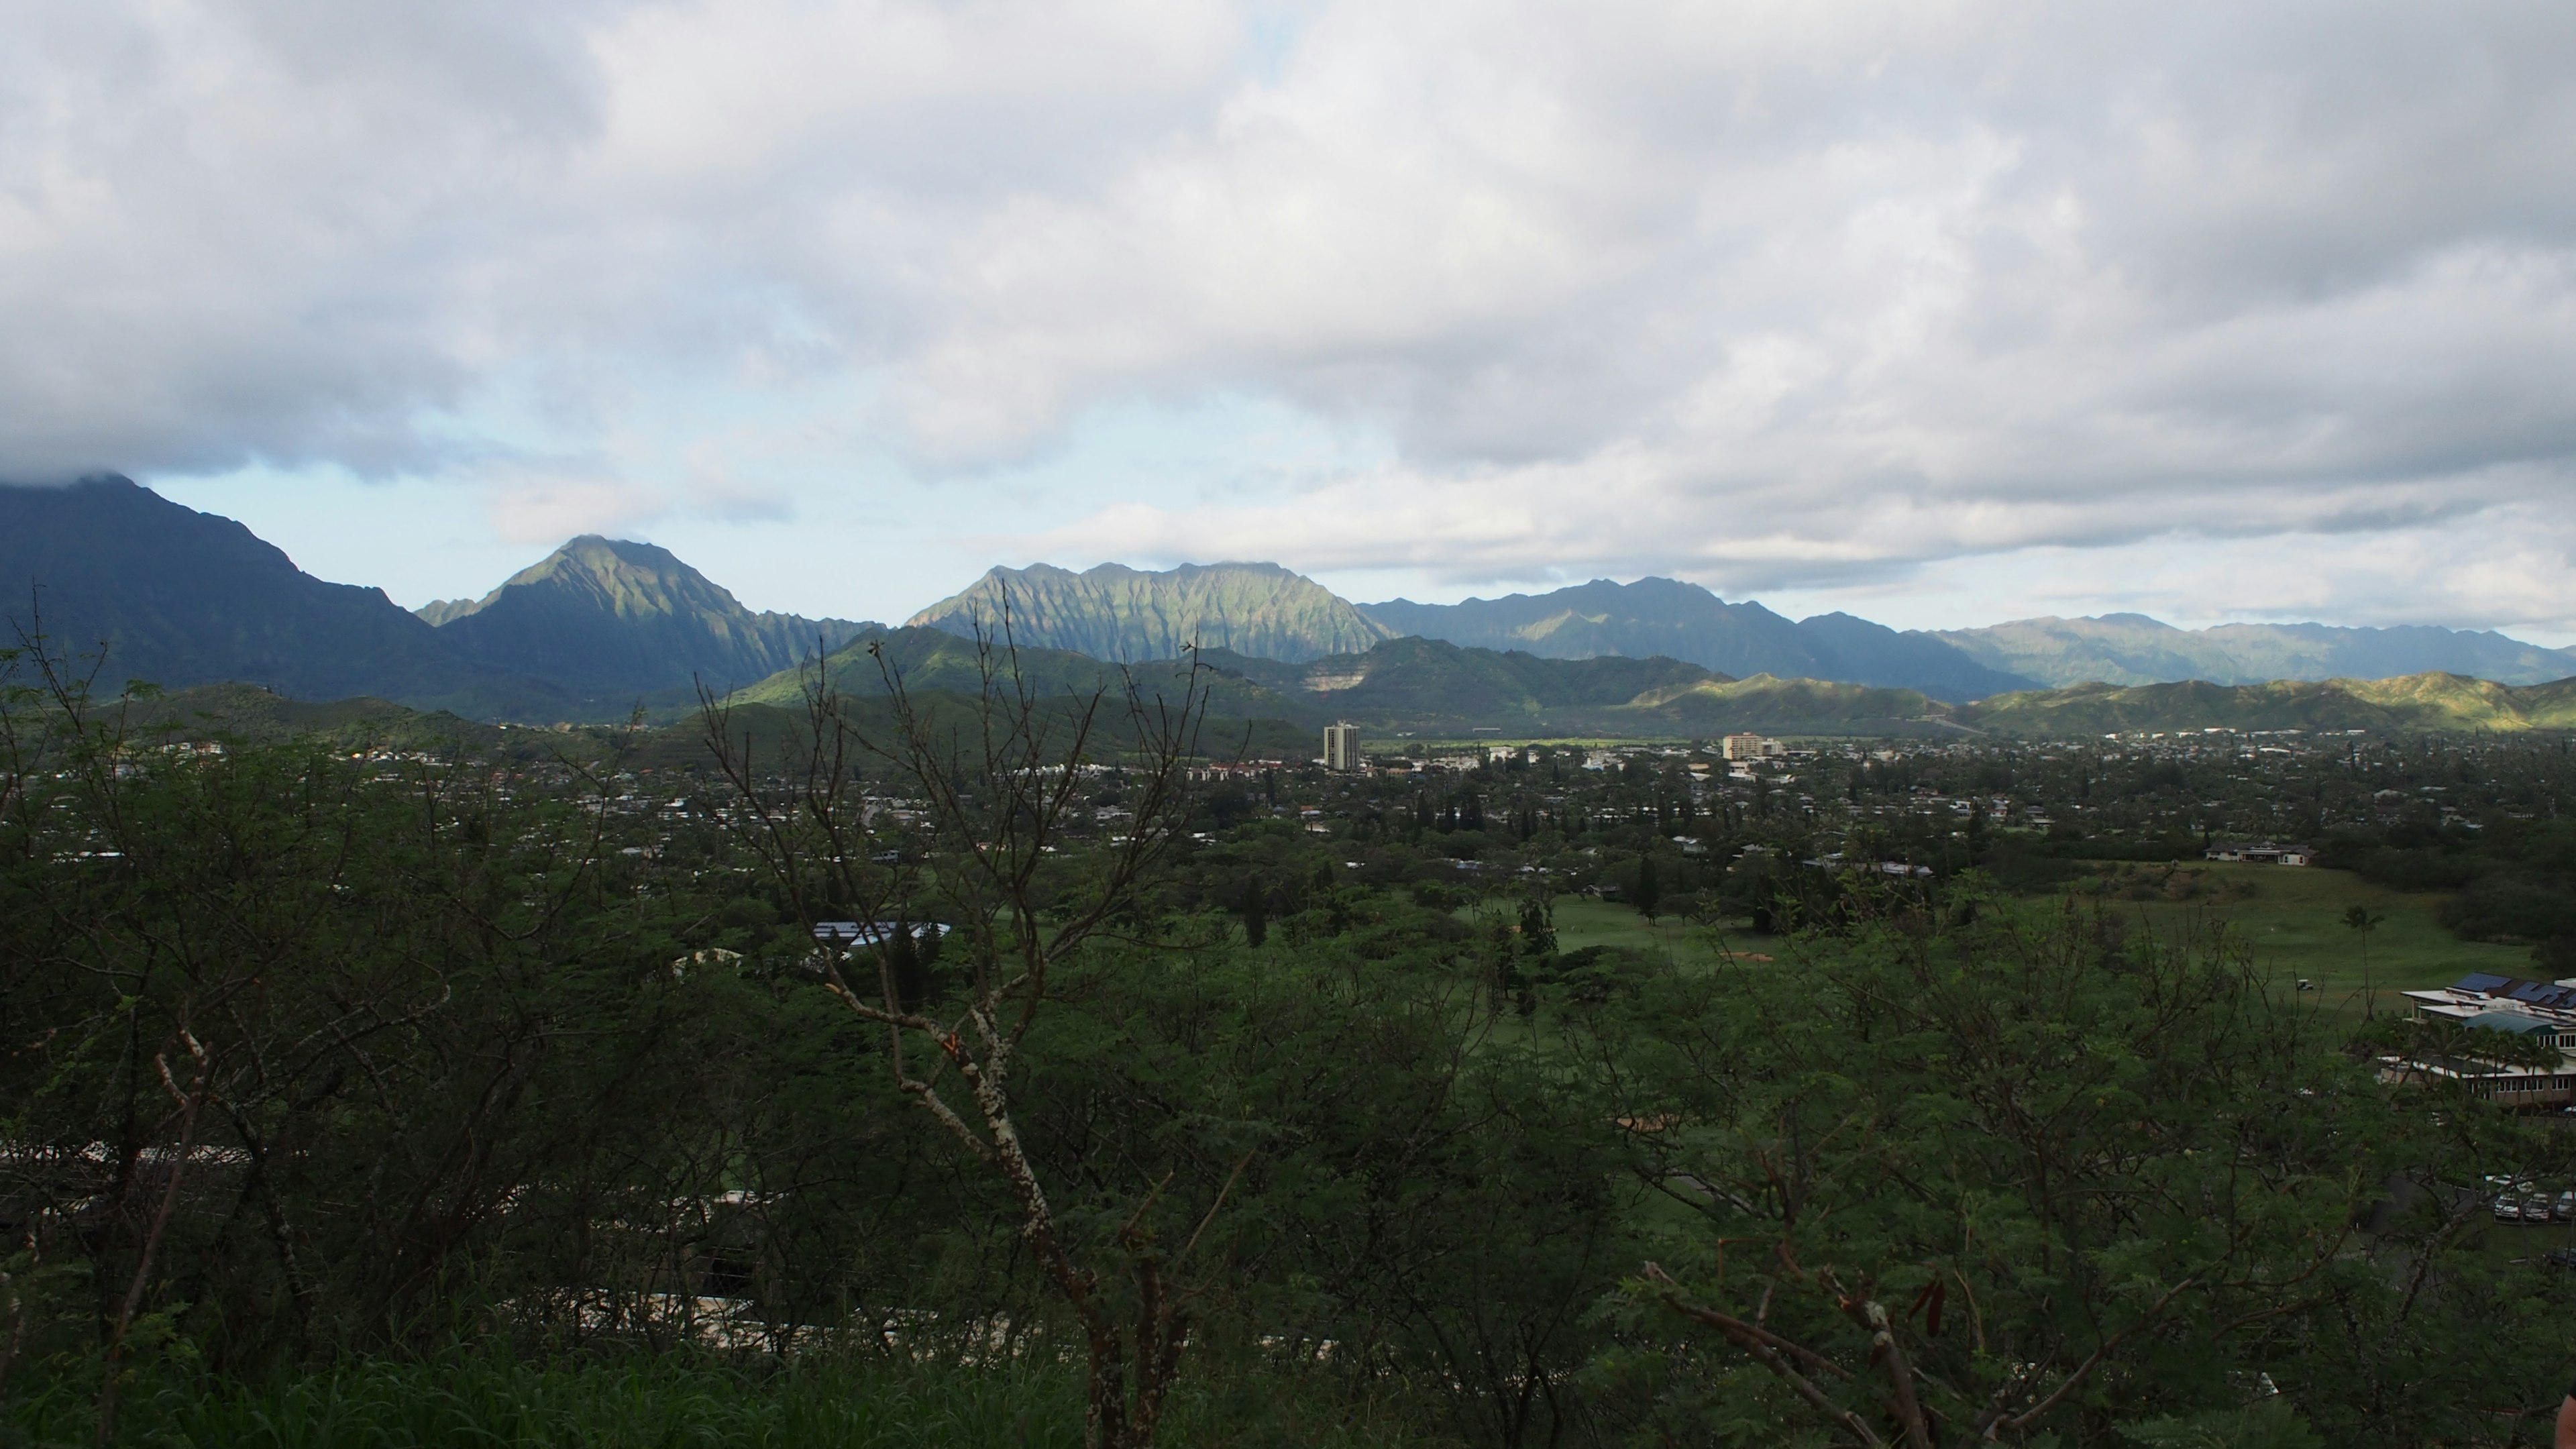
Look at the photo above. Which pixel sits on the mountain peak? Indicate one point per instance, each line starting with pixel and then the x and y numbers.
pixel 613 613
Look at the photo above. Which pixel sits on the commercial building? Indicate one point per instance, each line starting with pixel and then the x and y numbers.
pixel 1342 749
pixel 1750 747
pixel 2544 1011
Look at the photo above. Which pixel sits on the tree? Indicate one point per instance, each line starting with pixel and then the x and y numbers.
pixel 1650 894
pixel 1538 925
pixel 2363 921
pixel 2015 1179
pixel 318 1011
pixel 1256 918
pixel 1002 783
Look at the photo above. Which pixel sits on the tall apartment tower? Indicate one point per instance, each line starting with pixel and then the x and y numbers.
pixel 1342 749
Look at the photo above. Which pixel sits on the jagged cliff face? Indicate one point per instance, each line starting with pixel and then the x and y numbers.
pixel 1114 612
pixel 604 613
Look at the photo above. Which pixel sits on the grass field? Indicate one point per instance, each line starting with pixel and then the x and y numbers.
pixel 1583 921
pixel 2292 919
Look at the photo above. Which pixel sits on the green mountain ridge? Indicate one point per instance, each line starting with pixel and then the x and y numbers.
pixel 2130 649
pixel 1264 708
pixel 2410 703
pixel 1118 613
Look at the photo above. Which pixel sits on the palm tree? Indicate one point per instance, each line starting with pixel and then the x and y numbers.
pixel 2363 921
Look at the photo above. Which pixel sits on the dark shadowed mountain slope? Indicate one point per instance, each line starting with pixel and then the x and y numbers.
pixel 926 661
pixel 1115 612
pixel 607 614
pixel 1860 652
pixel 183 598
pixel 2135 649
pixel 1641 620
pixel 1685 621
pixel 1430 681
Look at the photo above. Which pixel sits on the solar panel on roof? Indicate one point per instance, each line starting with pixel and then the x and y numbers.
pixel 2481 981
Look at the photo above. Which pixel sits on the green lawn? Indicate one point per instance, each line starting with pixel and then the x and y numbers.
pixel 1584 921
pixel 2290 916
pixel 2293 921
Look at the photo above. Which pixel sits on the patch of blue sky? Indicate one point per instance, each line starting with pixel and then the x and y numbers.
pixel 791 495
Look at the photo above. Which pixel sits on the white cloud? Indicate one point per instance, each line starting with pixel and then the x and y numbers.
pixel 1776 295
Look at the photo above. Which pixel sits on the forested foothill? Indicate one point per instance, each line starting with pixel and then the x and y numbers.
pixel 1009 1069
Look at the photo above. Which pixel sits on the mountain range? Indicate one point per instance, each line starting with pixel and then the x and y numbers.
pixel 2134 649
pixel 1261 609
pixel 184 598
pixel 602 625
pixel 1686 621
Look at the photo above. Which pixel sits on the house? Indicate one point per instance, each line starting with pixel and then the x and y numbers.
pixel 2260 853
pixel 870 933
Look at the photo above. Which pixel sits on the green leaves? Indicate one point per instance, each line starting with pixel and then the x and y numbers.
pixel 2123 1176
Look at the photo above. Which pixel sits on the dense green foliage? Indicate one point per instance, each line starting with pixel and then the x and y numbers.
pixel 323 1061
pixel 2018 1140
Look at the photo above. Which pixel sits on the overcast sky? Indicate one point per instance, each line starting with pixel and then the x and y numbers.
pixel 1939 312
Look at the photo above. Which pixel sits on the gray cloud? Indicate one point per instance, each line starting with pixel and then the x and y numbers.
pixel 1771 295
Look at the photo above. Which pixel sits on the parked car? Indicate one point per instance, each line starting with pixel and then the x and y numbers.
pixel 2566 1207
pixel 2535 1208
pixel 2562 1257
pixel 2507 1210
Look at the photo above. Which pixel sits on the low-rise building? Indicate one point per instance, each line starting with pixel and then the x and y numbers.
pixel 2259 853
pixel 2544 1011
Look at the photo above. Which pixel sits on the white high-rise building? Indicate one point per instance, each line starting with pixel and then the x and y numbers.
pixel 1342 749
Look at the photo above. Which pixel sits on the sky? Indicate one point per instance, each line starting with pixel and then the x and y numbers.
pixel 1941 312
